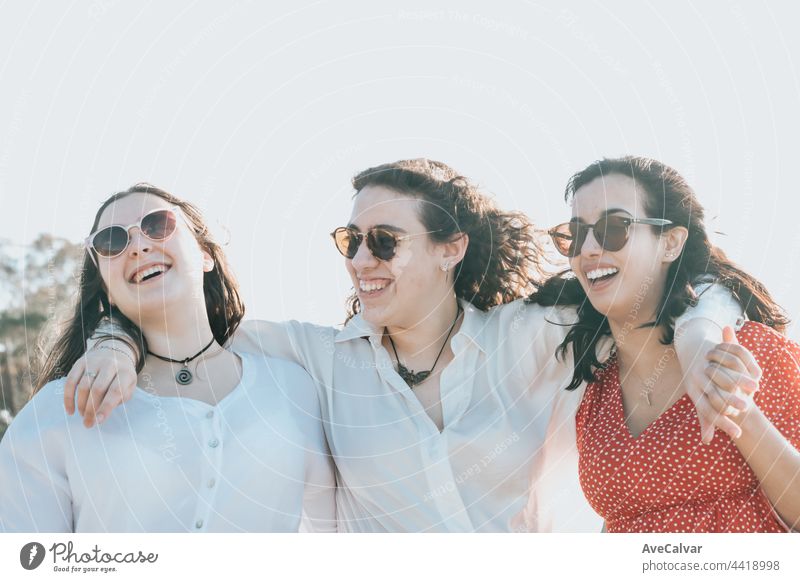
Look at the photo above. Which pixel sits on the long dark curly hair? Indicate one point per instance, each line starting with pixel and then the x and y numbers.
pixel 502 262
pixel 666 195
pixel 223 304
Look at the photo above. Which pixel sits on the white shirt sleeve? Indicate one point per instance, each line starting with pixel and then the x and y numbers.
pixel 525 336
pixel 319 498
pixel 309 345
pixel 34 491
pixel 271 338
pixel 716 303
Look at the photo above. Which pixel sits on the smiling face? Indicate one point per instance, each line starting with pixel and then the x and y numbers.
pixel 152 276
pixel 625 285
pixel 404 290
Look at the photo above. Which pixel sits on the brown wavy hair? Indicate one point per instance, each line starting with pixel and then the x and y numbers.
pixel 666 195
pixel 502 262
pixel 223 304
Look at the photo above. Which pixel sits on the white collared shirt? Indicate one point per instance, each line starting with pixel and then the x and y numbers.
pixel 257 461
pixel 500 397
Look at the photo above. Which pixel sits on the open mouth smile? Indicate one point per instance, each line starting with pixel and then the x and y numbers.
pixel 372 287
pixel 599 278
pixel 149 273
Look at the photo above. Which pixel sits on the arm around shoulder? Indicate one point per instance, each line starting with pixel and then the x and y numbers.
pixel 295 341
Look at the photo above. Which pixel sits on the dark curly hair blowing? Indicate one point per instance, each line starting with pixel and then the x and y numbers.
pixel 502 259
pixel 666 195
pixel 223 304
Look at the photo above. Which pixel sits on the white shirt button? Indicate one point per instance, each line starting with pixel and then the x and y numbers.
pixel 210 414
pixel 211 483
pixel 213 443
pixel 198 524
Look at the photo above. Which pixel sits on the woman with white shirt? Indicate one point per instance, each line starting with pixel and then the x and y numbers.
pixel 438 392
pixel 211 439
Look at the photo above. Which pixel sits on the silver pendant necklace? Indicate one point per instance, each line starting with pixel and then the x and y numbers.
pixel 184 376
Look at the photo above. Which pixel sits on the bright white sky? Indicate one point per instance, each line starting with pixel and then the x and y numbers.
pixel 261 112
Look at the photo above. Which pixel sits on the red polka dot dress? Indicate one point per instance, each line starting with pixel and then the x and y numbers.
pixel 666 479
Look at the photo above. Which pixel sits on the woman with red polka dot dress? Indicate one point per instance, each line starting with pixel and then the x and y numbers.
pixel 635 242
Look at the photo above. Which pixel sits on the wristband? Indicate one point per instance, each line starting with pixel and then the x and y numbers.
pixel 102 346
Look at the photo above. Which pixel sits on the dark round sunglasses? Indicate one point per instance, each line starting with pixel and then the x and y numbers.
pixel 111 241
pixel 610 232
pixel 382 243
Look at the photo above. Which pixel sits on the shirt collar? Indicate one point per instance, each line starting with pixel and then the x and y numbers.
pixel 471 328
pixel 357 328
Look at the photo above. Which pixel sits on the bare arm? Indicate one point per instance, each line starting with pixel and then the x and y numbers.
pixel 771 456
pixel 775 462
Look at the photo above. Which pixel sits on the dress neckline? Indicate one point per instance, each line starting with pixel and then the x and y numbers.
pixel 619 405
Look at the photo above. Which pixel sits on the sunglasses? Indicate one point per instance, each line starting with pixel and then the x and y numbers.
pixel 611 233
pixel 381 243
pixel 111 241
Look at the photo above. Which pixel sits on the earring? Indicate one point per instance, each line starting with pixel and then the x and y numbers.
pixel 669 255
pixel 445 266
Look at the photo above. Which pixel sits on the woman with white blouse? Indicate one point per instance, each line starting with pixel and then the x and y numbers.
pixel 439 390
pixel 211 439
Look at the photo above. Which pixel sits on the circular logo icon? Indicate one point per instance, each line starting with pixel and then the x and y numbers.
pixel 31 555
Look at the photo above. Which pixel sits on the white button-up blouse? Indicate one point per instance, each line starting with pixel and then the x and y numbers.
pixel 257 461
pixel 397 472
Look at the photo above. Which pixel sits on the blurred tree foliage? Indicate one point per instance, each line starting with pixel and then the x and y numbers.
pixel 38 286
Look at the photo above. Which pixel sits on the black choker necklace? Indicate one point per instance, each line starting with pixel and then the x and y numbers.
pixel 184 375
pixel 411 377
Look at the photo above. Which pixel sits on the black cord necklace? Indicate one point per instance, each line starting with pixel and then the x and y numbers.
pixel 411 377
pixel 184 375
